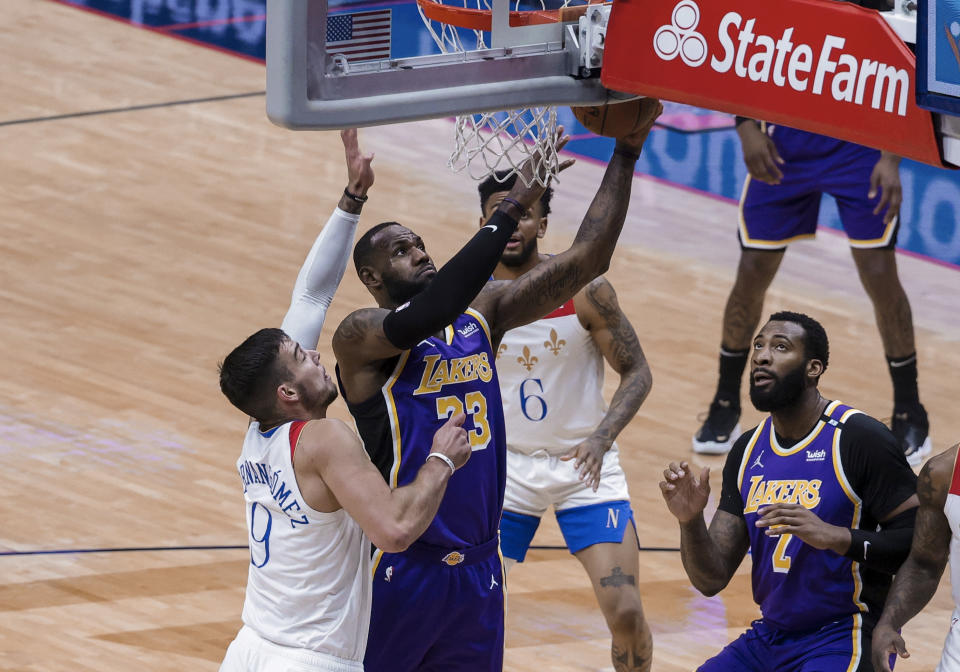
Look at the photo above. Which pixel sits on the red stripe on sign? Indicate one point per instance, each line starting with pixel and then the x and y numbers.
pixel 295 428
pixel 565 309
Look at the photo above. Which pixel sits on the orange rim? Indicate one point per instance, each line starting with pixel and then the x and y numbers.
pixel 481 19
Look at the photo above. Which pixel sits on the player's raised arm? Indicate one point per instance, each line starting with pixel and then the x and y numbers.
pixel 326 262
pixel 374 334
pixel 916 582
pixel 391 519
pixel 557 279
pixel 710 557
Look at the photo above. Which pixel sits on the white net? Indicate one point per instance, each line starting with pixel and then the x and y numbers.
pixel 497 143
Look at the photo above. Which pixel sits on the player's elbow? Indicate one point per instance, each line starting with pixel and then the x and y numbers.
pixel 393 538
pixel 709 590
pixel 708 586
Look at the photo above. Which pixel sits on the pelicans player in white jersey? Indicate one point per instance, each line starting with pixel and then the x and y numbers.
pixel 314 502
pixel 560 432
pixel 936 538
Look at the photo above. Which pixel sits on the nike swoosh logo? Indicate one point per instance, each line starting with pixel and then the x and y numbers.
pixel 866 546
pixel 490 226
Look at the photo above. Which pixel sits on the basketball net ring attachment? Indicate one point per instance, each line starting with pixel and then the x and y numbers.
pixel 490 142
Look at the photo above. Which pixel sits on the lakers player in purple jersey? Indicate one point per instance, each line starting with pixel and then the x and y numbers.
pixel 427 352
pixel 823 499
pixel 789 171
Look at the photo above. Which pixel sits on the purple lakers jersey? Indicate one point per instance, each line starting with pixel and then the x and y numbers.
pixel 439 377
pixel 798 586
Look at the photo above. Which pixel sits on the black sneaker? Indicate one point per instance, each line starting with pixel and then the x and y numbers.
pixel 719 430
pixel 912 431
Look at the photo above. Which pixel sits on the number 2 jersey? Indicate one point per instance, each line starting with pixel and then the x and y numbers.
pixel 850 472
pixel 308 584
pixel 438 377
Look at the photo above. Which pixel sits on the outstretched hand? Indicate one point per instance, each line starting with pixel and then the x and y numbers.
pixel 534 174
pixel 359 170
pixel 651 109
pixel 685 495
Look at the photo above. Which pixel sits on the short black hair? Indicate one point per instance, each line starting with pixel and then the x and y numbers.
pixel 250 374
pixel 503 180
pixel 815 343
pixel 363 250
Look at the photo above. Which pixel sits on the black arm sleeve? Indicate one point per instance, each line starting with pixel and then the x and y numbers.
pixel 879 474
pixel 453 287
pixel 875 467
pixel 887 548
pixel 730 499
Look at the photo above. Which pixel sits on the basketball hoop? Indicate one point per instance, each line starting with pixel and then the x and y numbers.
pixel 498 143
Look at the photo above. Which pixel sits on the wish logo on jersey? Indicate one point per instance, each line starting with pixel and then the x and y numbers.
pixel 438 371
pixel 767 492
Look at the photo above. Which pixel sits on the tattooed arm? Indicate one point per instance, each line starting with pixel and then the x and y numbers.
pixel 918 578
pixel 611 331
pixel 557 279
pixel 710 557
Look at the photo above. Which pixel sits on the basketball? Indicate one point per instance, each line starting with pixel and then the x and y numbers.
pixel 616 120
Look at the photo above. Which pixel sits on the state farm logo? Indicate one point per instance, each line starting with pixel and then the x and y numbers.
pixel 680 37
pixel 749 50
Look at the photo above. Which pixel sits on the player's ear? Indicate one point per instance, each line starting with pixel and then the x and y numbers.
pixel 287 393
pixel 369 277
pixel 814 368
pixel 542 227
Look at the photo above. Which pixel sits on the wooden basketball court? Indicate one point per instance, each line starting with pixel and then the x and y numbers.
pixel 139 246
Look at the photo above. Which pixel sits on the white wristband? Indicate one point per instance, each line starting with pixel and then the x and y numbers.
pixel 446 459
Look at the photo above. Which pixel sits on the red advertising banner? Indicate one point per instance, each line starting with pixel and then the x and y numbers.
pixel 829 67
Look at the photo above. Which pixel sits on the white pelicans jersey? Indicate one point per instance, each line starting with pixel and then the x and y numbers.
pixel 950 660
pixel 308 584
pixel 551 381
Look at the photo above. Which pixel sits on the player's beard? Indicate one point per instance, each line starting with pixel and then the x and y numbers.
pixel 316 400
pixel 516 259
pixel 400 290
pixel 784 391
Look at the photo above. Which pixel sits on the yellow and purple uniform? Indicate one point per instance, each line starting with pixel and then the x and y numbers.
pixel 439 604
pixel 818 607
pixel 774 215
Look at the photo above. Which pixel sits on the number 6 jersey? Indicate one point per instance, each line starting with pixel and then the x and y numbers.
pixel 441 376
pixel 848 471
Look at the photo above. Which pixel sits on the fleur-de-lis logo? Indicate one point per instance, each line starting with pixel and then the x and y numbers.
pixel 501 350
pixel 527 360
pixel 554 345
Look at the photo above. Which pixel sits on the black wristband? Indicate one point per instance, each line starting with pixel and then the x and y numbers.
pixel 354 197
pixel 515 203
pixel 626 153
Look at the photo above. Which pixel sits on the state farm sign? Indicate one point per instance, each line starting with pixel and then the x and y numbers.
pixel 828 67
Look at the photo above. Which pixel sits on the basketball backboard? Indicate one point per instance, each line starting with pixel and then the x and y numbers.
pixel 334 64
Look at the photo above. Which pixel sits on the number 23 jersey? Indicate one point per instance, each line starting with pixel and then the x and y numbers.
pixel 439 377
pixel 849 472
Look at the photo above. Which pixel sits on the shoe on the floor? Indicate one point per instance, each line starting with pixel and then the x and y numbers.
pixel 912 431
pixel 719 430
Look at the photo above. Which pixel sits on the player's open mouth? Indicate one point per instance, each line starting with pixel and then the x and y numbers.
pixel 763 378
pixel 514 243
